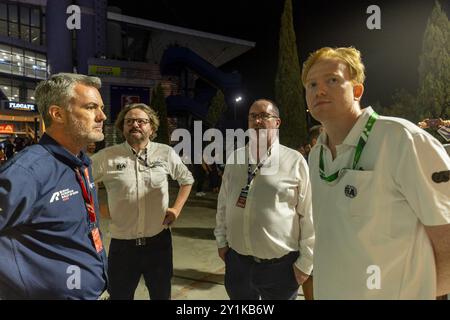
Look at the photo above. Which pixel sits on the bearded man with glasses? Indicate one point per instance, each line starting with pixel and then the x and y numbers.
pixel 135 177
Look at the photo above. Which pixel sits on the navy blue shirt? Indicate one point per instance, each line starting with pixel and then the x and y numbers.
pixel 45 247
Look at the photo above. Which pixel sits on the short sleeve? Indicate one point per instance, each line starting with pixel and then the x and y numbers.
pixel 423 176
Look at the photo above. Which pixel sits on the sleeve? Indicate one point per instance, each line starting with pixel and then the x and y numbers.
pixel 98 167
pixel 304 210
pixel 178 170
pixel 18 194
pixel 423 174
pixel 220 231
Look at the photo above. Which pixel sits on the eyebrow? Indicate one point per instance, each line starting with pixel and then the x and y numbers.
pixel 93 104
pixel 326 75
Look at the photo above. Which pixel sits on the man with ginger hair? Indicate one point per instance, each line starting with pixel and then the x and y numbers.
pixel 380 185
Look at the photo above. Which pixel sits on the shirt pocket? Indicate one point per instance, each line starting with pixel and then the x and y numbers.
pixel 356 189
pixel 158 177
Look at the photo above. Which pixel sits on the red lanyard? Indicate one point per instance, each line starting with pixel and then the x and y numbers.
pixel 87 196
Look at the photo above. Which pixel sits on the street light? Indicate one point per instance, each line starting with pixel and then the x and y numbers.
pixel 237 100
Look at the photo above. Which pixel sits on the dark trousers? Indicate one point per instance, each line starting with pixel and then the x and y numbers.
pixel 128 261
pixel 246 279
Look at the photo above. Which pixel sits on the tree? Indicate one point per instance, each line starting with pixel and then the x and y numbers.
pixel 288 85
pixel 217 108
pixel 159 105
pixel 403 106
pixel 434 67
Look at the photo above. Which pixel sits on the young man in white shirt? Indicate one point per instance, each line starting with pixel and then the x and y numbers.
pixel 264 228
pixel 135 177
pixel 381 194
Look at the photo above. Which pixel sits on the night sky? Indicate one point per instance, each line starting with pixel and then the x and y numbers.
pixel 391 55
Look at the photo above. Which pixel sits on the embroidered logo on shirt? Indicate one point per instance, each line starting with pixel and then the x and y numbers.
pixel 63 195
pixel 156 163
pixel 121 166
pixel 441 176
pixel 350 191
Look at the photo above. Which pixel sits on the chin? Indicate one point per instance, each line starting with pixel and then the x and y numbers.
pixel 96 137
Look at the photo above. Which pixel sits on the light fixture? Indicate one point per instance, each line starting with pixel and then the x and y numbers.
pixel 238 99
pixel 6 88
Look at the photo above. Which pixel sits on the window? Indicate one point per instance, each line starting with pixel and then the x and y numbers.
pixel 12 13
pixel 24 63
pixel 22 21
pixel 18 91
pixel 30 96
pixel 3 15
pixel 25 33
pixel 36 17
pixel 14 30
pixel 24 16
pixel 3 28
pixel 35 35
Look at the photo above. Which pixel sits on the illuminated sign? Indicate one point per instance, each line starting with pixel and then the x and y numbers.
pixel 6 128
pixel 22 106
pixel 104 71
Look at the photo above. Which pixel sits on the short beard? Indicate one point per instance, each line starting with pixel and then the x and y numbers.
pixel 82 134
pixel 135 140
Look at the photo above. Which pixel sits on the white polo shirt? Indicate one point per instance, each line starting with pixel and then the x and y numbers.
pixel 277 218
pixel 370 237
pixel 138 195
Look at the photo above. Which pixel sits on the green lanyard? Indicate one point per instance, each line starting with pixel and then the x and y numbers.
pixel 359 149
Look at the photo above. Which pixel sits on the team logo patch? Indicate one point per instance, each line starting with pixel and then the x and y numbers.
pixel 63 195
pixel 350 191
pixel 441 176
pixel 121 166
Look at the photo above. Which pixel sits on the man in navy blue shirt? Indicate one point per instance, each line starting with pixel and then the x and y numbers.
pixel 50 244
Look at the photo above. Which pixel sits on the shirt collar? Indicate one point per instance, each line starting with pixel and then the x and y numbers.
pixel 353 136
pixel 275 147
pixel 62 154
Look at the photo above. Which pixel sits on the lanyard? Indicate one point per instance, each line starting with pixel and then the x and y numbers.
pixel 251 174
pixel 87 195
pixel 359 149
pixel 144 160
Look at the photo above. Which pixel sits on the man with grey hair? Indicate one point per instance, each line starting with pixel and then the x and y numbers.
pixel 135 176
pixel 50 243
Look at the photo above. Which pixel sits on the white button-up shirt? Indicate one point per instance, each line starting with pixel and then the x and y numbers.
pixel 137 194
pixel 370 237
pixel 277 218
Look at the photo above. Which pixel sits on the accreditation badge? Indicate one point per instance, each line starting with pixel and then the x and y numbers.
pixel 242 198
pixel 95 233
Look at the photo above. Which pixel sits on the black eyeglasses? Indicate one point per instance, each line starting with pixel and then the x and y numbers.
pixel 139 121
pixel 263 116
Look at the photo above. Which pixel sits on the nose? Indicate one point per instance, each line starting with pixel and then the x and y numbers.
pixel 101 116
pixel 135 124
pixel 321 90
pixel 258 120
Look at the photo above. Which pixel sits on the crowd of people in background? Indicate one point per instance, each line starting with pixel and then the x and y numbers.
pixel 12 145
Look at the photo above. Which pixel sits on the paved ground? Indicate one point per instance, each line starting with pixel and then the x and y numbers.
pixel 198 271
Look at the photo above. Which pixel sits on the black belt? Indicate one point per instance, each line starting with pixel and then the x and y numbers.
pixel 291 255
pixel 139 242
